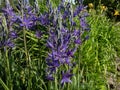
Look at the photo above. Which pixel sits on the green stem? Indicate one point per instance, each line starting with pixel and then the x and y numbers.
pixel 3 84
pixel 25 46
pixel 39 61
pixel 56 83
pixel 27 60
pixel 78 66
pixel 68 87
pixel 9 82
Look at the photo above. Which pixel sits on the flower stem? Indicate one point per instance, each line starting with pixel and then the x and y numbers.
pixel 39 61
pixel 25 46
pixel 3 84
pixel 68 87
pixel 9 82
pixel 28 62
pixel 78 66
pixel 56 88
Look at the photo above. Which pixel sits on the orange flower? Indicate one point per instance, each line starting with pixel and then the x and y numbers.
pixel 116 13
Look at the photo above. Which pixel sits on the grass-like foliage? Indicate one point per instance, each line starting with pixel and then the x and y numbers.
pixel 51 46
pixel 98 54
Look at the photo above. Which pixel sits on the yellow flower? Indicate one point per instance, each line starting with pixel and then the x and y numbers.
pixel 90 5
pixel 116 13
pixel 103 7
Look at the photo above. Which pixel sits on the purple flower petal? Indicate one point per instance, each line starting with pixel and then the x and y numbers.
pixel 38 34
pixel 9 43
pixel 78 41
pixel 50 77
pixel 13 34
pixel 66 77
